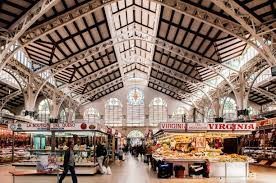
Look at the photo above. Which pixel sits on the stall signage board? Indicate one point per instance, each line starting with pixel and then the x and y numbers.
pixel 73 126
pixel 64 126
pixel 29 126
pixel 173 126
pixel 209 126
pixel 231 126
pixel 197 126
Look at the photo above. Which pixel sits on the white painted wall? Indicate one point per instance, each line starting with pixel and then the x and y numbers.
pixel 122 96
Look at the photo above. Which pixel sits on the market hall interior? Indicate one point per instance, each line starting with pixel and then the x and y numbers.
pixel 162 90
pixel 135 171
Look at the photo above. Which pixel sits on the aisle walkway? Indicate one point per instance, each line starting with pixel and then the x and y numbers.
pixel 135 171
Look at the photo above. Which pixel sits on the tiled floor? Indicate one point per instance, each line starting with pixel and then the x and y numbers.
pixel 135 171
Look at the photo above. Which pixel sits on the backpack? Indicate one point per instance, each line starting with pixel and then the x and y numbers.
pixel 104 151
pixel 101 151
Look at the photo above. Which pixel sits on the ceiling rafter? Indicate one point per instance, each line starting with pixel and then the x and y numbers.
pixel 249 23
pixel 198 85
pixel 87 95
pixel 270 95
pixel 25 22
pixel 92 76
pixel 7 98
pixel 62 20
pixel 225 25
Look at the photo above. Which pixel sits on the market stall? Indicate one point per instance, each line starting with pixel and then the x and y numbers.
pixel 49 140
pixel 261 144
pixel 201 149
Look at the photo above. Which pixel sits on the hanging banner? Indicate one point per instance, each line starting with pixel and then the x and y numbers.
pixel 29 127
pixel 173 126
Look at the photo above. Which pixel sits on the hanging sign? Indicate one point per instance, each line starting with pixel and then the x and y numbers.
pixel 231 126
pixel 29 127
pixel 173 126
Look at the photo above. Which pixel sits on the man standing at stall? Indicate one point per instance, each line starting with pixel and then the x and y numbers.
pixel 69 163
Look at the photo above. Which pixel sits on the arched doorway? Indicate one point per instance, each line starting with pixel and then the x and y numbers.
pixel 135 138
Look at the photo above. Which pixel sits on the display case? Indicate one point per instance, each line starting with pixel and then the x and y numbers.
pixel 52 139
pixel 19 154
pixel 263 153
pixel 84 160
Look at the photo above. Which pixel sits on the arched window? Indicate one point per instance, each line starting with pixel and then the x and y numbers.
pixel 113 112
pixel 158 111
pixel 210 115
pixel 229 109
pixel 179 115
pixel 44 110
pixel 135 107
pixel 62 115
pixel 91 115
pixel 252 111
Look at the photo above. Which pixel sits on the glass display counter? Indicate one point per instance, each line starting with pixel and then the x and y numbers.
pixel 84 160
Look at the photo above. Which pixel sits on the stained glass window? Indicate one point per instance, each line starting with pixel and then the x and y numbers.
pixel 179 115
pixel 113 112
pixel 91 115
pixel 44 110
pixel 136 96
pixel 158 111
pixel 135 107
pixel 135 134
pixel 229 109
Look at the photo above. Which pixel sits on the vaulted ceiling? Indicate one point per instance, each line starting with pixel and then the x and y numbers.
pixel 95 52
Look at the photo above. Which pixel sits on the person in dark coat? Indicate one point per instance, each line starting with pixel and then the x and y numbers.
pixel 101 154
pixel 69 163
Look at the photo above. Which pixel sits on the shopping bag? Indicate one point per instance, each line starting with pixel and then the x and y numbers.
pixel 104 170
pixel 108 171
pixel 106 161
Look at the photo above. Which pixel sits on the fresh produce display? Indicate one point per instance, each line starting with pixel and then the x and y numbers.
pixel 185 147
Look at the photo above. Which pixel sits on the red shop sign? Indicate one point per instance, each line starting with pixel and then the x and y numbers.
pixel 173 126
pixel 231 126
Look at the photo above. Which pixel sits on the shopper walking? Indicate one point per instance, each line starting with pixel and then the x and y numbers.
pixel 69 163
pixel 101 153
